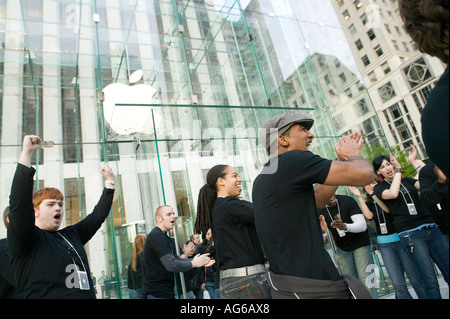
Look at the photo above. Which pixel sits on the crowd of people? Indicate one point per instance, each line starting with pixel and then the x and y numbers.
pixel 272 247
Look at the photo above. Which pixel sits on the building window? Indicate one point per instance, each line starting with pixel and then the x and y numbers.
pixel 346 15
pixel 372 77
pixel 364 18
pixel 371 34
pixel 403 131
pixel 359 45
pixel 337 63
pixel 418 103
pixel 343 78
pixel 361 108
pixel 387 92
pixel 395 111
pixel 74 202
pixel 386 68
pixel 349 93
pixel 378 50
pixel 425 93
pixel 352 29
pixel 358 4
pixel 394 43
pixel 339 121
pixel 366 60
pixel 388 29
pixel 405 45
pixel 417 73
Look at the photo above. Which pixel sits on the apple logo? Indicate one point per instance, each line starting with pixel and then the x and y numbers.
pixel 135 116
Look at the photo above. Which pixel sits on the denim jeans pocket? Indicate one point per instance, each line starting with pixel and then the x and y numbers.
pixel 250 287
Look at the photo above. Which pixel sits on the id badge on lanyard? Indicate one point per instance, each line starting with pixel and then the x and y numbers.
pixel 83 280
pixel 383 228
pixel 412 209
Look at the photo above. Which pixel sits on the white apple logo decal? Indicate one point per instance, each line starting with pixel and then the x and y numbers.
pixel 135 117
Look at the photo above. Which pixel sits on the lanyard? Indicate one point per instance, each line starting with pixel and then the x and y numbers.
pixel 378 215
pixel 71 248
pixel 401 192
pixel 339 210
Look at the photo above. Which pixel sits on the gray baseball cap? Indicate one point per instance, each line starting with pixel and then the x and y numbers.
pixel 282 123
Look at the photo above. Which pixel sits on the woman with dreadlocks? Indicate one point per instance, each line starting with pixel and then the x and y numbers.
pixel 239 255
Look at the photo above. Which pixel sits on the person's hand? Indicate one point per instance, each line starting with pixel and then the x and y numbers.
pixel 369 188
pixel 348 146
pixel 357 137
pixel 412 154
pixel 338 223
pixel 108 173
pixel 394 162
pixel 202 260
pixel 189 249
pixel 355 191
pixel 31 143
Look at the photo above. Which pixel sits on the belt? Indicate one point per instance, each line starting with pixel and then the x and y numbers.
pixel 427 227
pixel 243 271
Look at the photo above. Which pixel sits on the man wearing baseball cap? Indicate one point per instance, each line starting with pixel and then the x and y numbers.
pixel 286 201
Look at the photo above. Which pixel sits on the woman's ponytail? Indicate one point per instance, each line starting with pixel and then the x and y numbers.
pixel 206 198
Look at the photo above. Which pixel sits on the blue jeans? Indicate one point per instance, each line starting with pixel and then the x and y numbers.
pixel 397 262
pixel 426 246
pixel 250 287
pixel 357 263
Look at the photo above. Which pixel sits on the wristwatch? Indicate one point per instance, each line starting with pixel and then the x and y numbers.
pixel 398 170
pixel 110 182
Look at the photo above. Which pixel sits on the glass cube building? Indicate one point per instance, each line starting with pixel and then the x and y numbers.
pixel 162 90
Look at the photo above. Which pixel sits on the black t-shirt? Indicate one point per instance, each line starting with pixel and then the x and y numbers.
pixel 380 216
pixel 435 119
pixel 235 239
pixel 408 194
pixel 42 264
pixel 7 288
pixel 434 196
pixel 156 279
pixel 286 218
pixel 347 207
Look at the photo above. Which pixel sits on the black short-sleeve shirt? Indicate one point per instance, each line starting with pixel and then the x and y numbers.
pixel 347 207
pixel 381 217
pixel 286 218
pixel 408 194
pixel 235 238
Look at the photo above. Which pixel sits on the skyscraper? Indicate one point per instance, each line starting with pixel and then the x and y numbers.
pixel 398 77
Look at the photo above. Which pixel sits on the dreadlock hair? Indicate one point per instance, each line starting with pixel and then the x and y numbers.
pixel 206 198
